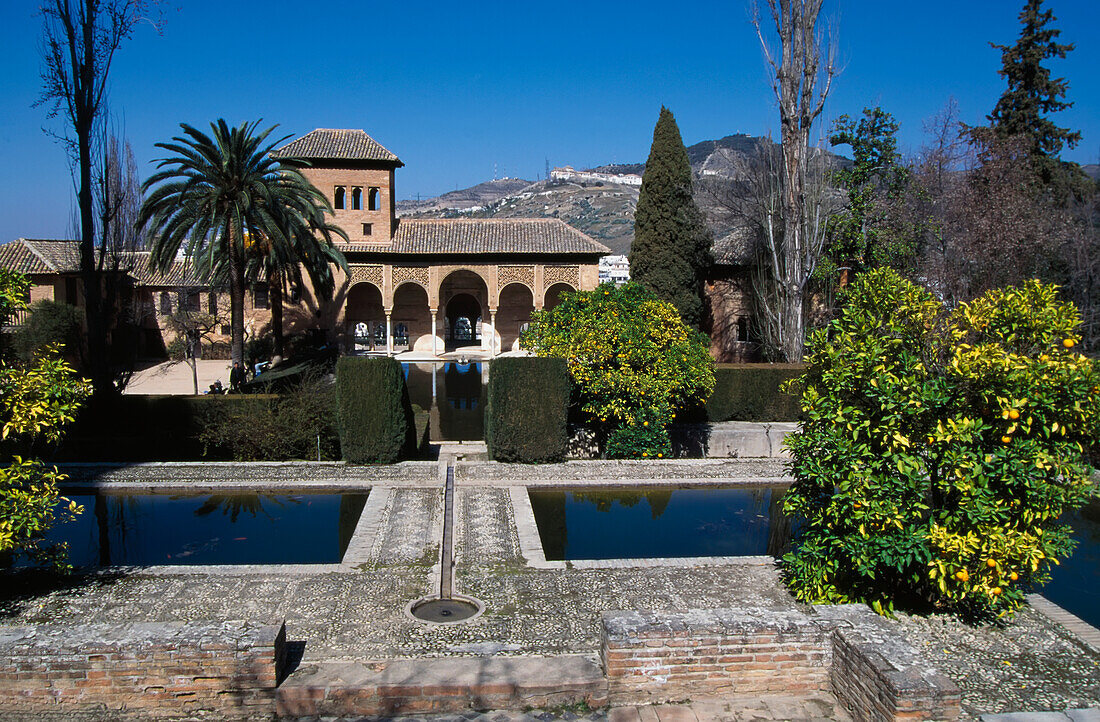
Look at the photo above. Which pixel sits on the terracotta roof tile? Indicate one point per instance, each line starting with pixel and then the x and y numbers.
pixel 484 236
pixel 39 255
pixel 334 144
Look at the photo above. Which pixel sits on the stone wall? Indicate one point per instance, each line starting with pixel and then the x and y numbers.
pixel 662 657
pixel 168 670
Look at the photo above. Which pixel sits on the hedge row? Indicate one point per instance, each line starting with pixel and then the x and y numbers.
pixel 375 417
pixel 751 392
pixel 527 410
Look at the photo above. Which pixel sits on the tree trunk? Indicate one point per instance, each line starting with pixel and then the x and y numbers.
pixel 275 286
pixel 236 301
pixel 98 362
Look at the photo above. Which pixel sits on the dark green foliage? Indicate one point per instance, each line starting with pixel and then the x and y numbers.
pixel 527 410
pixel 752 392
pixel 375 417
pixel 867 234
pixel 647 441
pixel 1032 94
pixel 671 248
pixel 297 424
pixel 49 322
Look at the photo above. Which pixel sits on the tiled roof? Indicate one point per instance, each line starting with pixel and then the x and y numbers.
pixel 38 255
pixel 484 236
pixel 737 247
pixel 333 144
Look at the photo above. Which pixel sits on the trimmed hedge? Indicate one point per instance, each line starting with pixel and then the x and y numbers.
pixel 527 410
pixel 751 392
pixel 374 415
pixel 135 428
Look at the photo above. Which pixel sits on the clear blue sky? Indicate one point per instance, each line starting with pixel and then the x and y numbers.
pixel 459 90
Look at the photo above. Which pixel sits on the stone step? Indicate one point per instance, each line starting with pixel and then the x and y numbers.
pixel 463 450
pixel 447 684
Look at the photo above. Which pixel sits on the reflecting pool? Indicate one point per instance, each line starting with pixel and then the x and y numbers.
pixel 1075 585
pixel 649 523
pixel 149 529
pixel 453 394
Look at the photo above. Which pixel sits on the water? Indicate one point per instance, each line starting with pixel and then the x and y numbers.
pixel 145 529
pixel 635 523
pixel 1075 585
pixel 453 394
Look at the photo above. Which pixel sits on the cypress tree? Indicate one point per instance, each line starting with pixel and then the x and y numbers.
pixel 1032 93
pixel 671 248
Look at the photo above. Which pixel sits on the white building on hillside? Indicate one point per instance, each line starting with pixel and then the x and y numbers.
pixel 615 269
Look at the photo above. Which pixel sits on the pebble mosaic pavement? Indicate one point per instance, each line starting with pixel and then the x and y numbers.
pixel 1031 663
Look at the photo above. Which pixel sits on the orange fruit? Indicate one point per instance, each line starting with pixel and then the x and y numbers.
pixel 962 575
pixel 1006 439
pixel 1069 343
pixel 1013 576
pixel 996 591
pixel 990 563
pixel 1013 414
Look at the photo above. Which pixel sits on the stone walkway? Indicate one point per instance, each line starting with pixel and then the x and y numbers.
pixel 358 613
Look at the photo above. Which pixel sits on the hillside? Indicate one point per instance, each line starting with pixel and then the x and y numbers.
pixel 603 210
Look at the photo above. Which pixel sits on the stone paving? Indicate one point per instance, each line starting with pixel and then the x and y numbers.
pixel 358 613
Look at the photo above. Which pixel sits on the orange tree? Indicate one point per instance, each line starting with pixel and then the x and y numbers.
pixel 939 449
pixel 633 361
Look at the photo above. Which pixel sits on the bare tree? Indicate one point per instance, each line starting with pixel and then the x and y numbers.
pixel 80 38
pixel 803 68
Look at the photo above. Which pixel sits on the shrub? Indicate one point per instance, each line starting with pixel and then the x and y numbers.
pixel 375 416
pixel 940 449
pixel 297 424
pixel 527 410
pixel 49 323
pixel 636 365
pixel 753 392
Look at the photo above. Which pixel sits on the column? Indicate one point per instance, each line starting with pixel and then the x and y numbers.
pixel 492 332
pixel 434 351
pixel 389 332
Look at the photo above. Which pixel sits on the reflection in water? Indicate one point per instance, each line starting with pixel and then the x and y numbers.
pixel 215 529
pixel 454 393
pixel 587 524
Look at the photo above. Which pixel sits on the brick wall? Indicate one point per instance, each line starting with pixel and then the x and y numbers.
pixel 139 671
pixel 660 657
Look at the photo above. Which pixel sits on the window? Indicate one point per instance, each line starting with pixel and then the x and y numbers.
pixel 338 198
pixel 189 301
pixel 259 297
pixel 226 330
pixel 373 200
pixel 70 291
pixel 367 227
pixel 357 199
pixel 212 304
pixel 742 329
pixel 165 303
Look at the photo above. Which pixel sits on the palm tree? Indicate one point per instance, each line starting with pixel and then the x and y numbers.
pixel 310 248
pixel 215 193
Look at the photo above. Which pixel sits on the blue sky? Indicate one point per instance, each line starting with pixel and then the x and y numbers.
pixel 463 91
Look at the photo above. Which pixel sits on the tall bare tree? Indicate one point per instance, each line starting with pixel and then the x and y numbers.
pixel 803 66
pixel 80 38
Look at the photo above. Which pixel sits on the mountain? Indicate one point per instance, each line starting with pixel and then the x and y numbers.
pixel 602 209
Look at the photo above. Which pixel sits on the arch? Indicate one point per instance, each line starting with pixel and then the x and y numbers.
pixel 553 294
pixel 338 198
pixel 357 199
pixel 464 293
pixel 411 315
pixel 513 313
pixel 364 318
pixel 374 199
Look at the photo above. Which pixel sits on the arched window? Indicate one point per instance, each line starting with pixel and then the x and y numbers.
pixel 374 200
pixel 357 199
pixel 338 198
pixel 742 329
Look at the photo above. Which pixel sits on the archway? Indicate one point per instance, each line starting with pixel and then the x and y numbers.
pixel 553 294
pixel 463 297
pixel 411 318
pixel 364 319
pixel 516 305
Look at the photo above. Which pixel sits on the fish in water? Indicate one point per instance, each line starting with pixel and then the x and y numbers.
pixel 240 538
